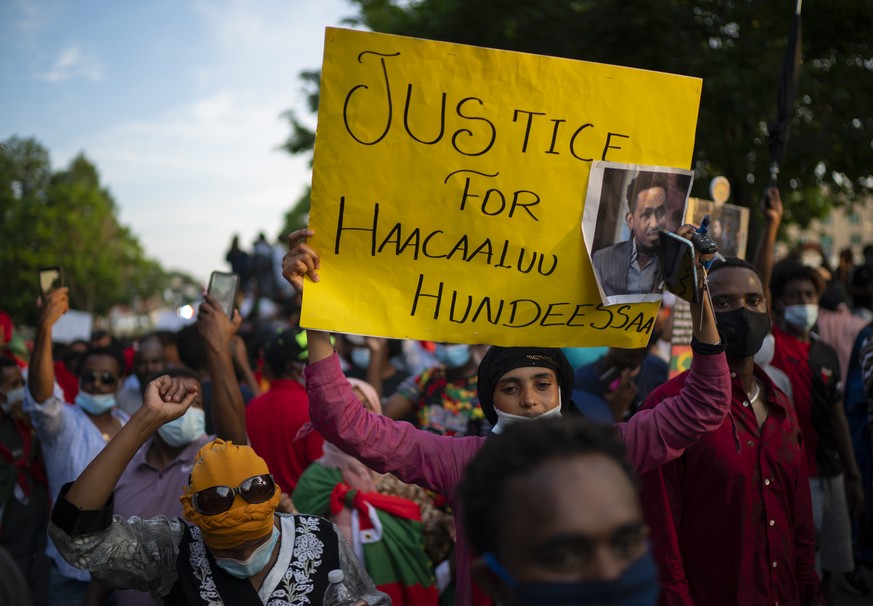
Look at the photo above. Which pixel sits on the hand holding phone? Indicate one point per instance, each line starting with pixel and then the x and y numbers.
pixel 679 266
pixel 223 287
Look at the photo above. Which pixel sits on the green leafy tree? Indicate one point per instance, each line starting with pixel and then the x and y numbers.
pixel 65 218
pixel 297 215
pixel 736 47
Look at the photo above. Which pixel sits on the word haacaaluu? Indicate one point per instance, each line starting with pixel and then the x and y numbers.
pixel 436 244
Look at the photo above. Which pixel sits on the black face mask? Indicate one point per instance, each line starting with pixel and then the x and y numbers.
pixel 743 331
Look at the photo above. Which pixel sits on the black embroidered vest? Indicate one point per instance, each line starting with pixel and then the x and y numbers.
pixel 202 582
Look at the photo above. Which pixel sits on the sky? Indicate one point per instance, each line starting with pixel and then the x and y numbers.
pixel 177 102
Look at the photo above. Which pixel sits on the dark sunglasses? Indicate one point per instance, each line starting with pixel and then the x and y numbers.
pixel 89 377
pixel 218 499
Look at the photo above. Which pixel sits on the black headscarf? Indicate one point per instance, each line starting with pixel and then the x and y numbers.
pixel 500 360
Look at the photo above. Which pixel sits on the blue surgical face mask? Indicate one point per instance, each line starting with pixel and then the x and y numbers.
pixel 452 356
pixel 255 563
pixel 184 430
pixel 801 317
pixel 95 404
pixel 637 586
pixel 361 357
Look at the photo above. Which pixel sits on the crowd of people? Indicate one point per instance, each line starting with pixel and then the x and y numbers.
pixel 244 459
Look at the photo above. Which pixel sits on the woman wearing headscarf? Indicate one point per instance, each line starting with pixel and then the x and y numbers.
pixel 236 549
pixel 515 384
pixel 385 528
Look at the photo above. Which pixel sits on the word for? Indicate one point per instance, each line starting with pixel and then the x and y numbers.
pixel 437 302
pixel 478 134
pixel 493 200
pixel 433 244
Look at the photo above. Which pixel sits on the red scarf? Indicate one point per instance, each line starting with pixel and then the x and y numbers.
pixel 27 463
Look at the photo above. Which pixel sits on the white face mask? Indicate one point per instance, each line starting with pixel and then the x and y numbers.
pixel 767 351
pixel 184 430
pixel 504 419
pixel 13 397
pixel 801 317
pixel 95 404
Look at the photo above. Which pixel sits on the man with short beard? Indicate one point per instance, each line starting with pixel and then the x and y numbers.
pixel 634 266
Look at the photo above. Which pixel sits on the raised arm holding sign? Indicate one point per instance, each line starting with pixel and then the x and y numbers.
pixel 452 179
pixel 515 384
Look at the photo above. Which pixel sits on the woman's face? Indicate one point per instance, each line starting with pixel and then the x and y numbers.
pixel 527 392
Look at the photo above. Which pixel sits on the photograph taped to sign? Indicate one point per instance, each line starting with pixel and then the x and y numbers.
pixel 448 182
pixel 728 225
pixel 627 206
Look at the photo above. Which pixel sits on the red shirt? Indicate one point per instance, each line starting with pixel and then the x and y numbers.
pixel 791 356
pixel 731 519
pixel 272 421
pixel 814 371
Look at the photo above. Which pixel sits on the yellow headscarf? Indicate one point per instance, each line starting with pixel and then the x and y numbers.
pixel 221 463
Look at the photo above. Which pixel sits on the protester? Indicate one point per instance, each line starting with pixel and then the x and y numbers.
pixel 380 362
pixel 274 418
pixel 742 487
pixel 443 399
pixel 11 343
pixel 238 551
pixel 846 334
pixel 612 388
pixel 171 350
pixel 816 378
pixel 24 497
pixel 386 530
pixel 262 267
pixel 194 355
pixel 861 281
pixel 150 484
pixel 514 384
pixel 552 515
pixel 238 260
pixel 149 358
pixel 71 436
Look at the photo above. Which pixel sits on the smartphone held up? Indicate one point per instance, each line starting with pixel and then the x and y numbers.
pixel 223 288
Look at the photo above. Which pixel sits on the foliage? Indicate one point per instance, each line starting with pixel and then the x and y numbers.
pixel 298 215
pixel 302 139
pixel 736 46
pixel 65 218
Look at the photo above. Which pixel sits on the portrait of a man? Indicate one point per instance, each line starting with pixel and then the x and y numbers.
pixel 627 206
pixel 633 266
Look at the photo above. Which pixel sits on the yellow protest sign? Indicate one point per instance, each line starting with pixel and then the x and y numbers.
pixel 448 186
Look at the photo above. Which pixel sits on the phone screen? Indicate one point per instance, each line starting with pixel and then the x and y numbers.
pixel 49 279
pixel 678 264
pixel 222 287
